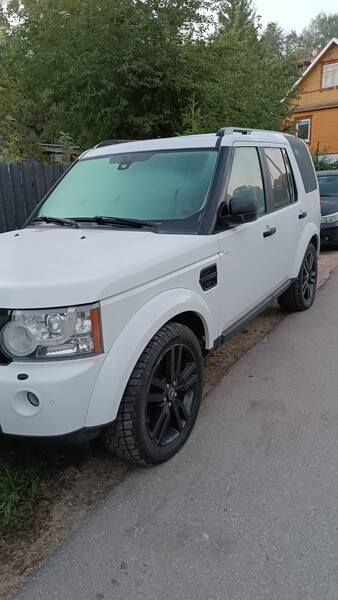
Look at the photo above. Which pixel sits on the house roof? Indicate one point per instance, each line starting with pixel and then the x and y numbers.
pixel 317 60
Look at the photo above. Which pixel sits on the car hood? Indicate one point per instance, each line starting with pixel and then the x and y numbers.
pixel 48 266
pixel 329 205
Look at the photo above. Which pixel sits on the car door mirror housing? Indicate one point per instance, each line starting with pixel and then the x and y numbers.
pixel 243 209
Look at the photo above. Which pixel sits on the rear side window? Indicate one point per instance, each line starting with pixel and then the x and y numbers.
pixel 279 178
pixel 304 162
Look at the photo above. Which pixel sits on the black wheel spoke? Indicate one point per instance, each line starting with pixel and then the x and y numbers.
pixel 187 378
pixel 177 417
pixel 159 426
pixel 159 398
pixel 164 427
pixel 179 363
pixel 171 364
pixel 158 383
pixel 182 408
pixel 311 260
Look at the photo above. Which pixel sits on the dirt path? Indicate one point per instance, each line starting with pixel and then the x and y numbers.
pixel 88 477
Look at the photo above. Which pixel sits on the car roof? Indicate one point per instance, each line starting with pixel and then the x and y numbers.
pixel 224 137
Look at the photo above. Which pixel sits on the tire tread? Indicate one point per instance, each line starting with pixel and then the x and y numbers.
pixel 124 436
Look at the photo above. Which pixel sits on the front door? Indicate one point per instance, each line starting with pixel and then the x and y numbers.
pixel 248 274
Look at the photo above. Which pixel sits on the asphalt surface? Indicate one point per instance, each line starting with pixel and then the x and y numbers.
pixel 248 510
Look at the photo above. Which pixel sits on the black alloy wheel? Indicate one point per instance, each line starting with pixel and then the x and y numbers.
pixel 171 394
pixel 302 291
pixel 309 276
pixel 162 399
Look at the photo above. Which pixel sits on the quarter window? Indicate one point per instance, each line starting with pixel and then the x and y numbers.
pixel 279 177
pixel 246 177
pixel 330 75
pixel 291 179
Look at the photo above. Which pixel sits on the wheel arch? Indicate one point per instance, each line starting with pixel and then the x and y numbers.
pixel 193 321
pixel 315 241
pixel 310 235
pixel 178 305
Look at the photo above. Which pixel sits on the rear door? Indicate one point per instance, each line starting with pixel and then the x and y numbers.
pixel 286 208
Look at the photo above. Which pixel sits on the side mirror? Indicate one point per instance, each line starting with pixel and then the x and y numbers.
pixel 243 209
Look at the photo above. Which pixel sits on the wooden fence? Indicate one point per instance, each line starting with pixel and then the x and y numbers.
pixel 22 186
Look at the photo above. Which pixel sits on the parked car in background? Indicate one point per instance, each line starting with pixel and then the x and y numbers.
pixel 328 187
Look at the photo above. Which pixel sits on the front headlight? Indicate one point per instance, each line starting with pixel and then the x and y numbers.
pixel 333 218
pixel 60 333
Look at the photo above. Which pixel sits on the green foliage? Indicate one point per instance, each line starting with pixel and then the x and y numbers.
pixel 192 121
pixel 67 145
pixel 236 13
pixel 321 162
pixel 320 31
pixel 134 69
pixel 314 37
pixel 19 492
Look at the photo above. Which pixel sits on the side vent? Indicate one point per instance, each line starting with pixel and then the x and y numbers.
pixel 208 278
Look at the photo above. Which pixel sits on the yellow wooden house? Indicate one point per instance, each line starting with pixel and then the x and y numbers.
pixel 316 108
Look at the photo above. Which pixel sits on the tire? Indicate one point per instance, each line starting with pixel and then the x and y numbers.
pixel 301 293
pixel 161 401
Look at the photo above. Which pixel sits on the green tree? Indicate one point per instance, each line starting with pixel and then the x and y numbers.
pixel 238 13
pixel 249 75
pixel 320 31
pixel 133 69
pixel 110 68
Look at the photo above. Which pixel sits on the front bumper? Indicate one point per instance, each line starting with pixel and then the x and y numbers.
pixel 63 389
pixel 329 234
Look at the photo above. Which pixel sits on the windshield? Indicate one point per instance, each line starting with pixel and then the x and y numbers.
pixel 169 188
pixel 328 185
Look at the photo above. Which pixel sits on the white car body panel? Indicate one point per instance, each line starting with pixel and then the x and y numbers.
pixel 53 266
pixel 142 280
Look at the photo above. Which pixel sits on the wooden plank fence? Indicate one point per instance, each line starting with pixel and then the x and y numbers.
pixel 22 186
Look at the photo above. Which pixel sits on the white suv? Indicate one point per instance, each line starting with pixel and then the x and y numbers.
pixel 141 261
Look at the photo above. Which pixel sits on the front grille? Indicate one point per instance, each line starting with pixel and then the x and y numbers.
pixel 4 318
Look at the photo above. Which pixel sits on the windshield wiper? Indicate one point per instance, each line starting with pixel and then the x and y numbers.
pixel 137 223
pixel 57 221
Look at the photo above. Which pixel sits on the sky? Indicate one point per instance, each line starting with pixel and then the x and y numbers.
pixel 293 14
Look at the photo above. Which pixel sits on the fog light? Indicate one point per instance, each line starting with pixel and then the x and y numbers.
pixel 33 399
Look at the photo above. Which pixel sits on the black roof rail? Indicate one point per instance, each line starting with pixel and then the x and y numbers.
pixel 110 143
pixel 230 130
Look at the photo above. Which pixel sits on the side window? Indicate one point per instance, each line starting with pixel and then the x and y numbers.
pixel 246 177
pixel 281 193
pixel 291 179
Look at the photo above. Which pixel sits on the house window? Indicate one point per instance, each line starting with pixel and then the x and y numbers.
pixel 303 129
pixel 330 75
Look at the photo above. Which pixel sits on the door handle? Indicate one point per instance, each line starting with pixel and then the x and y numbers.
pixel 269 232
pixel 302 215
